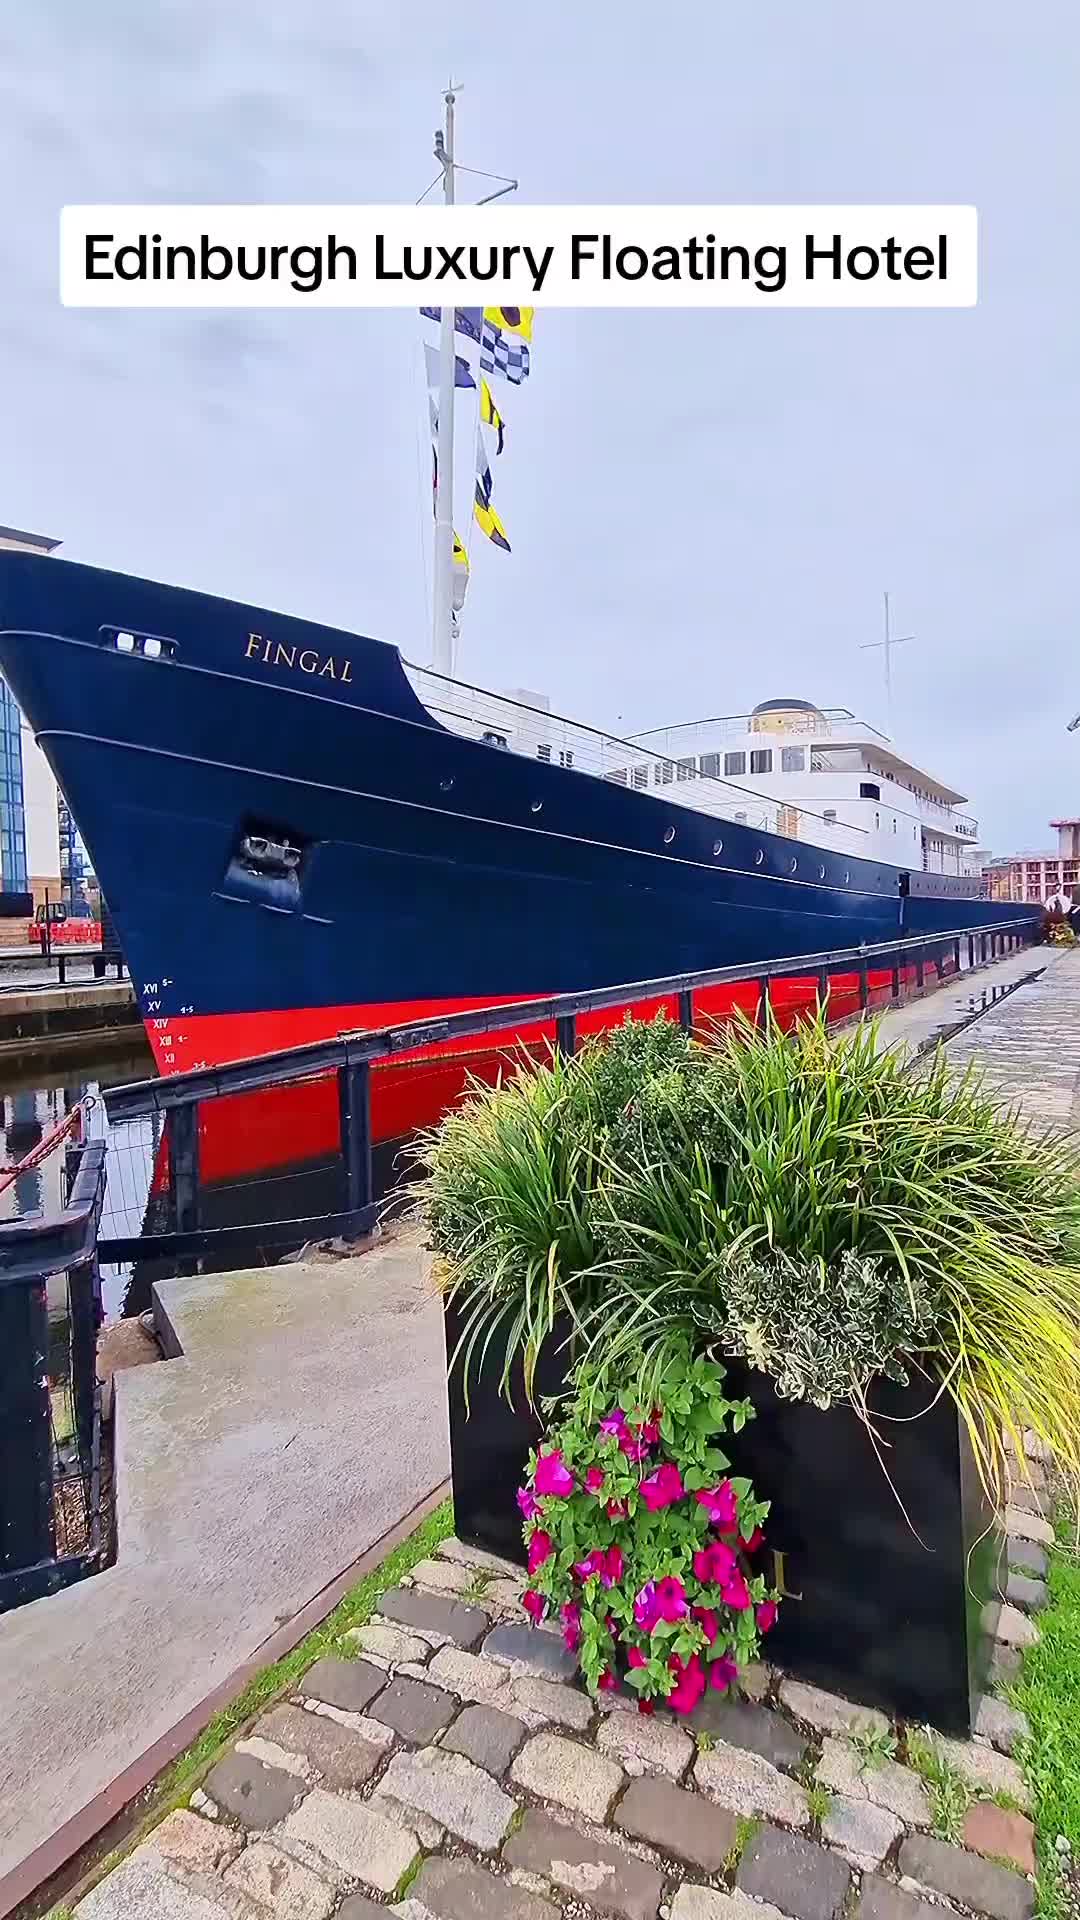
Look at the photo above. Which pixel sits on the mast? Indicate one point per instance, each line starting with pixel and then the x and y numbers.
pixel 890 641
pixel 444 633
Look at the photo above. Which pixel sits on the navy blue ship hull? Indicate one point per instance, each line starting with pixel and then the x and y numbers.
pixel 435 871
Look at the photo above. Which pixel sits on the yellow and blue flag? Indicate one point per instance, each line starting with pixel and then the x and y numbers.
pixel 512 319
pixel 489 413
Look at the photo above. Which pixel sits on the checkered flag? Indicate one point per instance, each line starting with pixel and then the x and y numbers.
pixel 501 353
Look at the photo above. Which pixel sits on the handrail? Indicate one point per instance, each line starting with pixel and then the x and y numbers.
pixel 39 1248
pixel 137 1098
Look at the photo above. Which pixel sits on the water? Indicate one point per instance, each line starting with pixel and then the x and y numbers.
pixel 35 1098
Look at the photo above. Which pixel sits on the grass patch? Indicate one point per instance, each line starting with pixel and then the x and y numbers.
pixel 179 1782
pixel 819 1801
pixel 744 1833
pixel 874 1745
pixel 1048 1691
pixel 949 1793
pixel 704 1740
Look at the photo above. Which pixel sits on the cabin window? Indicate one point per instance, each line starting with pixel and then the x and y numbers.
pixel 829 816
pixel 685 769
pixel 868 791
pixel 566 756
pixel 543 753
pixel 618 775
pixel 639 775
pixel 664 772
pixel 495 739
pixel 894 823
pixel 710 765
pixel 877 821
pixel 793 759
pixel 761 760
pixel 734 763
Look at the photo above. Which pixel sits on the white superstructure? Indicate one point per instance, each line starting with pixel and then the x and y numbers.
pixel 814 774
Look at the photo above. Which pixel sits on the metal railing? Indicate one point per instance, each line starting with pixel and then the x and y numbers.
pixel 513 725
pixel 877 975
pixel 51 1512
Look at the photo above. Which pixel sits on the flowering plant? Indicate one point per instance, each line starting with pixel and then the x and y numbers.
pixel 642 1545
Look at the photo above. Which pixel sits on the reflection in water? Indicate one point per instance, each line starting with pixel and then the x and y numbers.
pixel 34 1100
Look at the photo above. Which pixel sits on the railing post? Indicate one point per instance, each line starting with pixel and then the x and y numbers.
pixel 761 1011
pixel 864 986
pixel 566 1034
pixel 894 986
pixel 26 1464
pixel 184 1172
pixel 354 1104
pixel 971 953
pixel 920 970
pixel 686 1009
pixel 956 955
pixel 84 1316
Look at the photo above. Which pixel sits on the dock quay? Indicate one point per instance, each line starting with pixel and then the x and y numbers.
pixel 301 1430
pixel 59 1018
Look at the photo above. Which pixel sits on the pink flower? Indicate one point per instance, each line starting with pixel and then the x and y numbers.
pixel 612 1571
pixel 722 1672
pixel 616 1510
pixel 614 1422
pixel 715 1564
pixel 722 1506
pixel 551 1476
pixel 689 1684
pixel 541 1546
pixel 754 1542
pixel 594 1479
pixel 765 1615
pixel 635 1658
pixel 671 1599
pixel 530 1506
pixel 663 1487
pixel 646 1614
pixel 737 1593
pixel 596 1562
pixel 650 1429
pixel 571 1619
pixel 636 1450
pixel 534 1604
pixel 708 1621
pixel 608 1682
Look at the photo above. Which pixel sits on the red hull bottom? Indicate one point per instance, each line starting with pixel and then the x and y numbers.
pixel 245 1134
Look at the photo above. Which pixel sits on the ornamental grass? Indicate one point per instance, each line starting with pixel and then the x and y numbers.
pixel 802 1200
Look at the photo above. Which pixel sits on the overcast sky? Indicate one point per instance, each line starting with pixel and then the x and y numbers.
pixel 704 509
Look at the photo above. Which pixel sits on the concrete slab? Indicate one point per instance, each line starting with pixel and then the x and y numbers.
pixel 305 1418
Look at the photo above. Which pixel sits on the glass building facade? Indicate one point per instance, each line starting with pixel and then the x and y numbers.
pixel 13 878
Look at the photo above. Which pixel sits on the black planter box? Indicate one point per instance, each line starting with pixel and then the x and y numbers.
pixel 886 1570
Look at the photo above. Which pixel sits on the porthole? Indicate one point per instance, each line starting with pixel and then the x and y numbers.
pixel 759 857
pixel 669 836
pixel 717 847
pixel 794 866
pixel 821 873
pixel 847 879
pixel 536 806
pixel 445 786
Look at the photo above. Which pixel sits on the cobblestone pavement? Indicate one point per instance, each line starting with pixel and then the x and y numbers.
pixel 1028 1046
pixel 446 1764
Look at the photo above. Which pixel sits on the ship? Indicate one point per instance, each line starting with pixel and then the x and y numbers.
pixel 299 833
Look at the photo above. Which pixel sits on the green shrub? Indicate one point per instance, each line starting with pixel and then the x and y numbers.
pixel 797 1199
